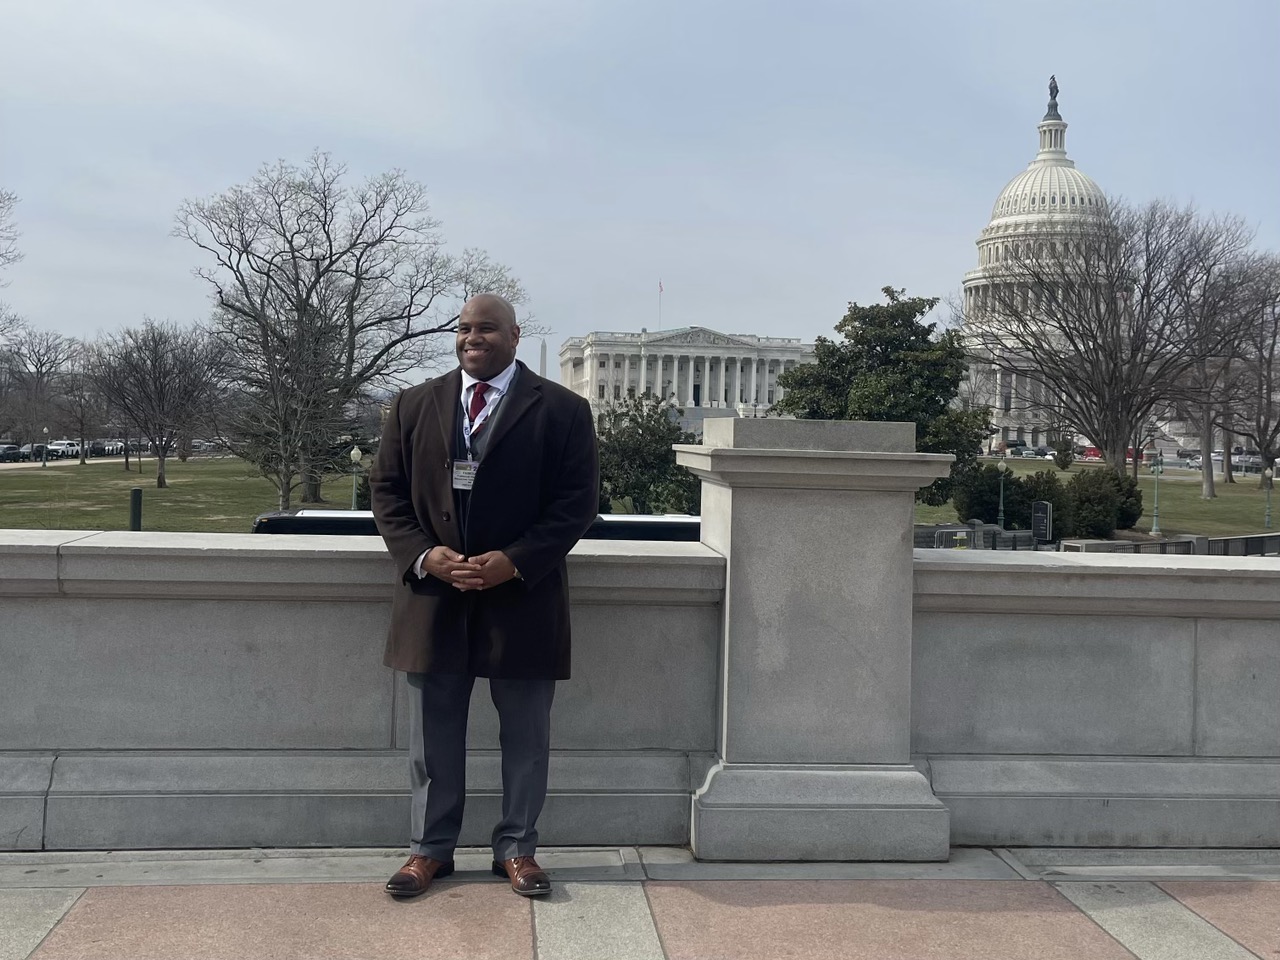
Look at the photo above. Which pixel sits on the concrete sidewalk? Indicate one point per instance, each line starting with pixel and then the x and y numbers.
pixel 644 903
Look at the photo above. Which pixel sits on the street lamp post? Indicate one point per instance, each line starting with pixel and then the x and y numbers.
pixel 44 452
pixel 356 454
pixel 1157 468
pixel 1267 474
pixel 1000 516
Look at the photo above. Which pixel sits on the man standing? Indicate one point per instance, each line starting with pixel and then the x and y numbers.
pixel 485 479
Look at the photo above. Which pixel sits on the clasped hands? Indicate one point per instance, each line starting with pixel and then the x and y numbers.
pixel 469 573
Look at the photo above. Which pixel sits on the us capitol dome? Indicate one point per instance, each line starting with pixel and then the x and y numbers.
pixel 1039 208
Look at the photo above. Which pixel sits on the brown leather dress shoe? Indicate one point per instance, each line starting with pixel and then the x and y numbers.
pixel 527 878
pixel 413 879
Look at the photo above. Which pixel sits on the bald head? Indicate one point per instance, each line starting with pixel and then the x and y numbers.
pixel 487 335
pixel 492 305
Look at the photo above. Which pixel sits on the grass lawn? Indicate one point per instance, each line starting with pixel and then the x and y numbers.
pixel 1239 507
pixel 222 495
pixel 219 495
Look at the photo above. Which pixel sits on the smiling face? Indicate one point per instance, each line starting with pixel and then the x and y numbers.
pixel 487 336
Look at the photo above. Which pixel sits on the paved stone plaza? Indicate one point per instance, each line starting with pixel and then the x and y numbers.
pixel 644 903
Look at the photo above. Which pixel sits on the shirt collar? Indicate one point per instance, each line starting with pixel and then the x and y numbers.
pixel 498 384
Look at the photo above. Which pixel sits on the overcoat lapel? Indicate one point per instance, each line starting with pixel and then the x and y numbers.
pixel 447 391
pixel 432 470
pixel 524 394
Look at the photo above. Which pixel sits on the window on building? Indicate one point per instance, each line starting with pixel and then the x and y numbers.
pixel 1004 434
pixel 601 393
pixel 602 364
pixel 1021 436
pixel 631 392
pixel 770 397
pixel 617 391
pixel 617 364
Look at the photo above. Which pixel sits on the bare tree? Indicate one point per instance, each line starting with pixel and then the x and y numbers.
pixel 1110 318
pixel 9 253
pixel 160 376
pixel 10 323
pixel 79 400
pixel 322 291
pixel 1255 408
pixel 1212 296
pixel 35 361
pixel 8 390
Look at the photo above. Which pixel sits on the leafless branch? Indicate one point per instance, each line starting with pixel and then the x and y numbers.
pixel 1110 321
pixel 324 291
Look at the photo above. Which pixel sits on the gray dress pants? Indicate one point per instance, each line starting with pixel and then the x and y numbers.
pixel 438 761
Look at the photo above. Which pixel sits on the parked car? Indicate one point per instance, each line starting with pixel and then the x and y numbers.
pixel 9 453
pixel 31 451
pixel 1028 454
pixel 64 449
pixel 1195 463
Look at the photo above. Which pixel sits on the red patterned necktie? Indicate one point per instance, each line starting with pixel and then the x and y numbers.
pixel 477 401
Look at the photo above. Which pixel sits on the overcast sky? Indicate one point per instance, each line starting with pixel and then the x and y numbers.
pixel 769 161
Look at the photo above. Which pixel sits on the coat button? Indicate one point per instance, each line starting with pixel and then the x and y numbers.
pixel 445 517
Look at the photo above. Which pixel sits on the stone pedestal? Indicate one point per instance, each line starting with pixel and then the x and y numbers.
pixel 815 520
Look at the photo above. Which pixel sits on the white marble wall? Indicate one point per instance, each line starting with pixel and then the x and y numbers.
pixel 166 690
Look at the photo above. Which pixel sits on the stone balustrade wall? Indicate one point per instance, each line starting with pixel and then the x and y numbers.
pixel 780 696
pixel 200 690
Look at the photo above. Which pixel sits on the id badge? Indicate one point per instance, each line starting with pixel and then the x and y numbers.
pixel 464 474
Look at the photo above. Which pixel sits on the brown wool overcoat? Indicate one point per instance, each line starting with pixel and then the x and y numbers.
pixel 536 492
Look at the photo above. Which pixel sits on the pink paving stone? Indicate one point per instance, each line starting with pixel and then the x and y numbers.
pixel 1249 913
pixel 874 919
pixel 329 921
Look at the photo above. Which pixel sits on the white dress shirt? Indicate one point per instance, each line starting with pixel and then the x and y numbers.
pixel 498 387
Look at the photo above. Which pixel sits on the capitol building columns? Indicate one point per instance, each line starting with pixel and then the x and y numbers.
pixel 702 372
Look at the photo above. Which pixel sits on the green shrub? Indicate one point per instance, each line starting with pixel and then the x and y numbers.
pixel 1095 500
pixel 976 496
pixel 1064 458
pixel 1129 509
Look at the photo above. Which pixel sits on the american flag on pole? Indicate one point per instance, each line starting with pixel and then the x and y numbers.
pixel 659 286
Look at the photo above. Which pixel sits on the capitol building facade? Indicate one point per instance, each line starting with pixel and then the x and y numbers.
pixel 702 372
pixel 1037 214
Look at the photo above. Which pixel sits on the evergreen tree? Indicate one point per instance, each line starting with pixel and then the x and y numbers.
pixel 637 464
pixel 892 366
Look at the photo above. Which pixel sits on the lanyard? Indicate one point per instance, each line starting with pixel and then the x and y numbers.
pixel 468 427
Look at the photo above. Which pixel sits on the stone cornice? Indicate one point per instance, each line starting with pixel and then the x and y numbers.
pixel 119 564
pixel 1075 584
pixel 813 469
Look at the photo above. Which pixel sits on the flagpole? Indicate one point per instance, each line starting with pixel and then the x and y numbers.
pixel 659 304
